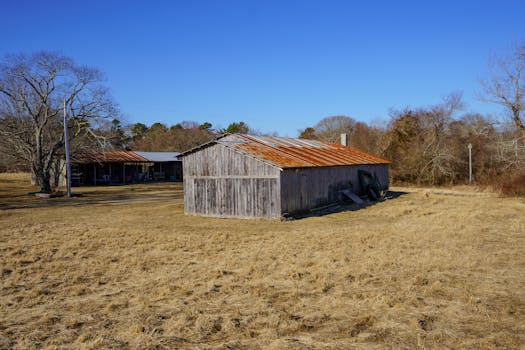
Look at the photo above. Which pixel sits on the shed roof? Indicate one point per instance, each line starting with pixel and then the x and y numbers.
pixel 124 157
pixel 108 157
pixel 159 156
pixel 293 153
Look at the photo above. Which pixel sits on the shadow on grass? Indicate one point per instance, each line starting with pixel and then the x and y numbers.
pixel 343 206
pixel 150 193
pixel 91 196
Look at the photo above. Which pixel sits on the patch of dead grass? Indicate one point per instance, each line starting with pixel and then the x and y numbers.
pixel 424 270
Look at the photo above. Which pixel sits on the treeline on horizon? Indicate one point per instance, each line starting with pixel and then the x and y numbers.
pixel 427 145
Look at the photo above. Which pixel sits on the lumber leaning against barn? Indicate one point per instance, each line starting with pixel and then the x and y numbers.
pixel 223 180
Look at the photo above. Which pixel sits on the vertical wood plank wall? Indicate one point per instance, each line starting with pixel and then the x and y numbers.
pixel 306 188
pixel 222 182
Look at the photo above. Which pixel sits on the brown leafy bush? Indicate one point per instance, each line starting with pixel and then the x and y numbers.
pixel 514 186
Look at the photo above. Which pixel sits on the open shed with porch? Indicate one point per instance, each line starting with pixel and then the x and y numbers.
pixel 257 176
pixel 124 167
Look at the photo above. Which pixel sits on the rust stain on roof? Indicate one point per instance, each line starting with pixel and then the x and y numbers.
pixel 296 153
pixel 108 157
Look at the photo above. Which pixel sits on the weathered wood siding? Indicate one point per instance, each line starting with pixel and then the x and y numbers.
pixel 306 188
pixel 221 182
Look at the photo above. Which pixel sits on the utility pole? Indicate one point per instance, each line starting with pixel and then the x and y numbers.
pixel 66 146
pixel 470 163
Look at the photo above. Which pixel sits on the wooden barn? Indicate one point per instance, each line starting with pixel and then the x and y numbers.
pixel 257 176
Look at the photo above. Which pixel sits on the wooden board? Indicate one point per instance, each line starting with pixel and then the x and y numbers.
pixel 353 196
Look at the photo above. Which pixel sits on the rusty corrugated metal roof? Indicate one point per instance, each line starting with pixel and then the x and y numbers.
pixel 294 153
pixel 108 157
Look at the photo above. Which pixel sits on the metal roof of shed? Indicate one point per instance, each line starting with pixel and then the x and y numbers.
pixel 294 153
pixel 108 157
pixel 159 156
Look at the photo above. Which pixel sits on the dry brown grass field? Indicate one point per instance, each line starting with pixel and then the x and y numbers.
pixel 124 268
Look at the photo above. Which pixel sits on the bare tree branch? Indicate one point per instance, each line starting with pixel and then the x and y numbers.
pixel 506 85
pixel 32 91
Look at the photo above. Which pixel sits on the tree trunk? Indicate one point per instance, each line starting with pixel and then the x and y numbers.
pixel 40 166
pixel 57 171
pixel 43 177
pixel 517 119
pixel 44 183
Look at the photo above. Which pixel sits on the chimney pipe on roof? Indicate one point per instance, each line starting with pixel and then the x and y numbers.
pixel 344 139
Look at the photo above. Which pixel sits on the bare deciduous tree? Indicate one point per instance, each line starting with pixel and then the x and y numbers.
pixel 33 89
pixel 331 128
pixel 419 143
pixel 360 135
pixel 506 84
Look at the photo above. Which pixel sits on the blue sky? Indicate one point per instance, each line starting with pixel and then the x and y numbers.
pixel 277 65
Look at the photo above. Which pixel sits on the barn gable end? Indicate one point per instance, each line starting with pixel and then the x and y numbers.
pixel 219 181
